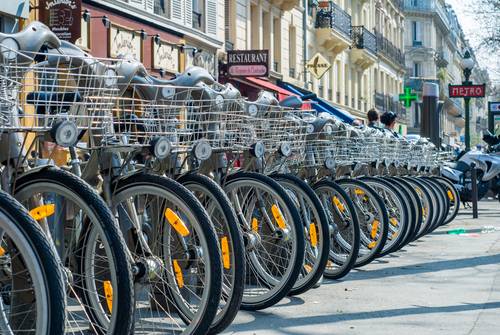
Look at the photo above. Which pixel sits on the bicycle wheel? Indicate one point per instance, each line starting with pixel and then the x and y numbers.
pixel 428 203
pixel 179 288
pixel 32 294
pixel 344 228
pixel 439 202
pixel 273 234
pixel 415 206
pixel 397 211
pixel 444 201
pixel 225 222
pixel 373 218
pixel 453 197
pixel 90 246
pixel 316 231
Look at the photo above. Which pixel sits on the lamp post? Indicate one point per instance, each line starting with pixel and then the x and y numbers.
pixel 467 66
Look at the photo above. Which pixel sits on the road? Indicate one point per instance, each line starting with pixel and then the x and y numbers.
pixel 442 284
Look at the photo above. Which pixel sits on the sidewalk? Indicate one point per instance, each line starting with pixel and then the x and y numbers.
pixel 442 284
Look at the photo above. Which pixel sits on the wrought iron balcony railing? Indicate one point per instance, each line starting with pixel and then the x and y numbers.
pixel 364 39
pixel 334 17
pixel 385 47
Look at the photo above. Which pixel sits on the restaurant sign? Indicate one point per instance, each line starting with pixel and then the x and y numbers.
pixel 63 17
pixel 248 63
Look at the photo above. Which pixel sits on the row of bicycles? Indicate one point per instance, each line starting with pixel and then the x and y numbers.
pixel 179 202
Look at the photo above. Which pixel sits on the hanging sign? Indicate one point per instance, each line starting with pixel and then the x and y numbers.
pixel 166 56
pixel 63 17
pixel 124 42
pixel 467 91
pixel 248 63
pixel 318 66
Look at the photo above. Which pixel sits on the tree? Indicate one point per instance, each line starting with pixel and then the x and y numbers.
pixel 488 13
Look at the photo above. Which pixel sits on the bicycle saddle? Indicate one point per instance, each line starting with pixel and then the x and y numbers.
pixel 31 39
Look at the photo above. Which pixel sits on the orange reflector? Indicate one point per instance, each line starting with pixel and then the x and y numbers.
pixel 108 293
pixel 178 274
pixel 226 259
pixel 372 245
pixel 424 211
pixel 255 225
pixel 176 222
pixel 394 235
pixel 41 212
pixel 450 196
pixel 278 216
pixel 2 251
pixel 394 222
pixel 359 191
pixel 313 235
pixel 375 226
pixel 308 268
pixel 338 204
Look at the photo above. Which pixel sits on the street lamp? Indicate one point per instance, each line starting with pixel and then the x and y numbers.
pixel 467 66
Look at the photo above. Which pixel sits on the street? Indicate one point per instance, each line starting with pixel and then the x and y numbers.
pixel 443 284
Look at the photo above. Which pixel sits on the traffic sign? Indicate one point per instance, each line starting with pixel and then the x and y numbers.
pixel 494 107
pixel 318 66
pixel 407 98
pixel 467 91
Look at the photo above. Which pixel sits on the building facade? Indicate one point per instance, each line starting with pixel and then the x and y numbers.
pixel 434 48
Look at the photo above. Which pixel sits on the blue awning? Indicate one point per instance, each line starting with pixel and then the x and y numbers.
pixel 320 105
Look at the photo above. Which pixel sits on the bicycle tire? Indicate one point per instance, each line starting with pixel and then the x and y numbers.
pixel 225 317
pixel 322 232
pixel 344 268
pixel 52 177
pixel 454 199
pixel 293 268
pixel 46 260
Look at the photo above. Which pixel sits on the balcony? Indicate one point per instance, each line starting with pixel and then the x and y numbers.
pixel 453 106
pixel 442 59
pixel 430 7
pixel 416 84
pixel 364 47
pixel 285 4
pixel 389 50
pixel 333 28
pixel 387 103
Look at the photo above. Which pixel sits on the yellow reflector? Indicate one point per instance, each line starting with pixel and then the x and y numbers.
pixel 41 212
pixel 338 204
pixel 255 225
pixel 424 211
pixel 375 226
pixel 178 274
pixel 394 222
pixel 176 222
pixel 2 251
pixel 278 216
pixel 226 259
pixel 359 191
pixel 372 245
pixel 313 235
pixel 108 293
pixel 450 196
pixel 394 235
pixel 308 268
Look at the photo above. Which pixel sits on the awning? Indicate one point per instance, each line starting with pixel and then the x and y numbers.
pixel 321 105
pixel 264 84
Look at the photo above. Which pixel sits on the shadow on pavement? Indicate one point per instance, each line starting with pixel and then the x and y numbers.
pixel 412 269
pixel 277 322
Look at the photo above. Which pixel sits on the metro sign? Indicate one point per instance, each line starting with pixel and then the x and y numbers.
pixel 467 91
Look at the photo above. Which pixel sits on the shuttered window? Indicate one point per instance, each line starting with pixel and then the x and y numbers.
pixel 211 22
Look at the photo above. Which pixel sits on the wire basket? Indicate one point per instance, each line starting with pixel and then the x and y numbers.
pixel 37 96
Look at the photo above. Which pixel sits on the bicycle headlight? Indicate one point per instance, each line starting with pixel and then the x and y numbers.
pixel 168 92
pixel 310 129
pixel 161 147
pixel 9 48
pixel 285 149
pixel 219 100
pixel 329 129
pixel 258 149
pixel 330 163
pixel 110 78
pixel 253 110
pixel 202 150
pixel 65 133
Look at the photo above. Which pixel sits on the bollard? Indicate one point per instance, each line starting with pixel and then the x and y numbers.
pixel 473 177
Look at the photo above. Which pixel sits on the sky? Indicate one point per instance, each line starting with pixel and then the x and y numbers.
pixel 473 31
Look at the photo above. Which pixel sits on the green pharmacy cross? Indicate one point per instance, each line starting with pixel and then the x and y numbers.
pixel 408 97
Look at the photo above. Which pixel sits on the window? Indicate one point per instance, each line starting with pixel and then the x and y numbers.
pixel 255 27
pixel 277 43
pixel 416 33
pixel 198 17
pixel 416 70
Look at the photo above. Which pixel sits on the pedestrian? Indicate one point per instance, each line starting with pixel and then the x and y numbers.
pixel 373 118
pixel 388 119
